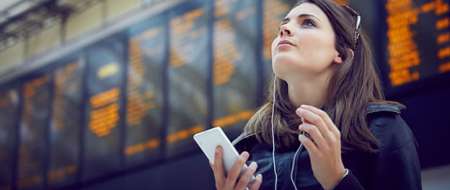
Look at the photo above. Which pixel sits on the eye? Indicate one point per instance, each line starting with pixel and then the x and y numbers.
pixel 308 23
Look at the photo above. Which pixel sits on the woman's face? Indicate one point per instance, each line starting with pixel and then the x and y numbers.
pixel 305 45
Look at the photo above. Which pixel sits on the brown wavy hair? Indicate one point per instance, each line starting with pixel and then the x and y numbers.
pixel 352 87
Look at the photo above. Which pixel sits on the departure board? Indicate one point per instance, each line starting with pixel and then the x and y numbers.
pixel 102 138
pixel 235 68
pixel 417 40
pixel 342 2
pixel 146 57
pixel 66 122
pixel 34 122
pixel 274 12
pixel 188 72
pixel 9 107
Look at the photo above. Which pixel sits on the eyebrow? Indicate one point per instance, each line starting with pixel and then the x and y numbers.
pixel 286 19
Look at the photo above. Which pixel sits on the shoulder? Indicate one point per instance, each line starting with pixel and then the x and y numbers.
pixel 245 141
pixel 386 123
pixel 385 107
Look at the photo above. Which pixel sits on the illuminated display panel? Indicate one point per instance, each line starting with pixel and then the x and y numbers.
pixel 274 12
pixel 188 71
pixel 9 102
pixel 342 2
pixel 234 69
pixel 65 123
pixel 146 56
pixel 102 150
pixel 34 121
pixel 418 40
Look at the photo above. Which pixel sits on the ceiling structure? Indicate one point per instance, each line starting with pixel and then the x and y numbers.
pixel 19 18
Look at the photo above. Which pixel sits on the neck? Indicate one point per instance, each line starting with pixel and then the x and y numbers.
pixel 310 91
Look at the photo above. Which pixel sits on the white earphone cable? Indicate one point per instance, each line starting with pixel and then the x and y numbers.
pixel 273 137
pixel 273 146
pixel 294 161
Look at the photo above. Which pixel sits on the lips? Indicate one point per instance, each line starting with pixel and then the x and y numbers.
pixel 285 42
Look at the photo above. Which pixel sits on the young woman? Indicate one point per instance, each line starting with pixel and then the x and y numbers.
pixel 326 98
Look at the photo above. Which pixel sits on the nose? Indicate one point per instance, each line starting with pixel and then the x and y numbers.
pixel 284 30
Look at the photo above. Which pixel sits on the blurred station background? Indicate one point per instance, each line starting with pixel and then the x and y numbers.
pixel 106 94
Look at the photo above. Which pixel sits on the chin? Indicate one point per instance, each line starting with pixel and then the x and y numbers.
pixel 283 64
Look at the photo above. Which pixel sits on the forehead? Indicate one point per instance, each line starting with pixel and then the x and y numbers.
pixel 307 8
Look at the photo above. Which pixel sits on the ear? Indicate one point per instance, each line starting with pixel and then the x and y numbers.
pixel 338 59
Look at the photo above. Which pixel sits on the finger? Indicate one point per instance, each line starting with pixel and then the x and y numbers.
pixel 316 120
pixel 245 178
pixel 315 135
pixel 313 118
pixel 325 117
pixel 257 183
pixel 219 173
pixel 309 145
pixel 235 170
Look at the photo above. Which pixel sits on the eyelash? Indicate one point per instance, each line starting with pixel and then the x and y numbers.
pixel 304 21
pixel 308 21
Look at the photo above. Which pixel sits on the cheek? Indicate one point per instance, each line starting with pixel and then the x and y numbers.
pixel 316 48
pixel 315 52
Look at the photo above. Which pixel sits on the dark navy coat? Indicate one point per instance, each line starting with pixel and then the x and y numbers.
pixel 394 166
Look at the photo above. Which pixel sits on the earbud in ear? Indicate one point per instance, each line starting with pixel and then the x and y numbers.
pixel 338 58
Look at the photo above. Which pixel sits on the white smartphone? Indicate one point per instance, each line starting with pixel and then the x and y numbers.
pixel 208 141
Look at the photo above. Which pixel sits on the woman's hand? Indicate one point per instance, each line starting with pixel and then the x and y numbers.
pixel 233 180
pixel 323 145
